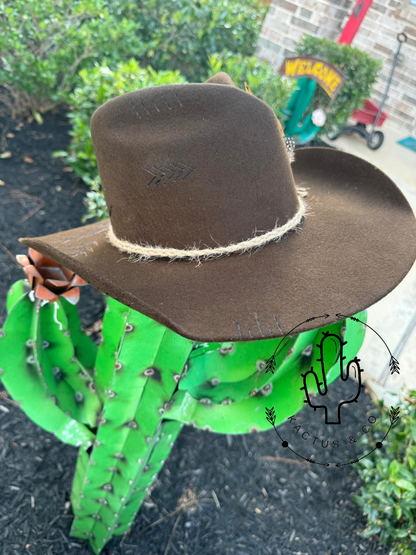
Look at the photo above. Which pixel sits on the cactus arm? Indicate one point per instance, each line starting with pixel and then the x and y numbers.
pixel 146 475
pixel 247 415
pixel 284 391
pixel 148 358
pixel 232 376
pixel 67 380
pixel 52 377
pixel 71 392
pixel 15 293
pixel 227 363
pixel 21 375
pixel 84 347
pixel 232 362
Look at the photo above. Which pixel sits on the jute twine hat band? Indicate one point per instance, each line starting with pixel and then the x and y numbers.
pixel 146 252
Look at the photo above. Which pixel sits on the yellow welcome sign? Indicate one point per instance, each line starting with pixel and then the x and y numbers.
pixel 329 77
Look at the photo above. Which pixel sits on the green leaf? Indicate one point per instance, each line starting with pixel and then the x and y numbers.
pixel 405 484
pixel 394 468
pixel 358 500
pixel 383 485
pixel 59 154
pixel 405 473
pixel 368 532
pixel 177 17
pixel 402 533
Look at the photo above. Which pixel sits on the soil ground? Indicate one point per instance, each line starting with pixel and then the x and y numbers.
pixel 215 494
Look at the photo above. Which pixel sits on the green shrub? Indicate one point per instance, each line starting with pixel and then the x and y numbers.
pixel 182 34
pixel 44 44
pixel 262 80
pixel 360 70
pixel 96 87
pixel 388 497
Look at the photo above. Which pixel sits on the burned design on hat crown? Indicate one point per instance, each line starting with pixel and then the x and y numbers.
pixel 169 172
pixel 141 110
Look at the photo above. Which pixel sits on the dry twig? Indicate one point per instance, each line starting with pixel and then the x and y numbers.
pixel 173 532
pixel 192 504
pixel 4 396
pixel 10 255
pixel 20 195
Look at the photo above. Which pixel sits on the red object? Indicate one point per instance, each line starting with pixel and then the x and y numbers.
pixel 367 114
pixel 354 22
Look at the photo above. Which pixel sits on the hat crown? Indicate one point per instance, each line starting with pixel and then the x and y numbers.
pixel 192 165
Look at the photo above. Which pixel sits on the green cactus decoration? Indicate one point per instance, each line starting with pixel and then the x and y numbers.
pixel 125 404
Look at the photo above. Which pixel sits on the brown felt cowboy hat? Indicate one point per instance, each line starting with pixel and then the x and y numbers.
pixel 210 232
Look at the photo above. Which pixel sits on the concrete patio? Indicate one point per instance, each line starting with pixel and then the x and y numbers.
pixel 394 316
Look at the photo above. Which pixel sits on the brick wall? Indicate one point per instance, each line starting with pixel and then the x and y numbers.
pixel 288 20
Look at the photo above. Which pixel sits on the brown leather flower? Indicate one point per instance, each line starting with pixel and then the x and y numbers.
pixel 48 279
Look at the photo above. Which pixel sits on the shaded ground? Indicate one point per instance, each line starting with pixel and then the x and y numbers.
pixel 39 197
pixel 215 494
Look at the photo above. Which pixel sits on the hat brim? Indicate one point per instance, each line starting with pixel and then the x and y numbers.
pixel 356 245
